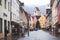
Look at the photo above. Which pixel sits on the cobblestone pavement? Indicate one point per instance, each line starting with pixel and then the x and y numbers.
pixel 39 35
pixel 35 35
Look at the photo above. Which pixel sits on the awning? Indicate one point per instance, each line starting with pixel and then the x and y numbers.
pixel 14 23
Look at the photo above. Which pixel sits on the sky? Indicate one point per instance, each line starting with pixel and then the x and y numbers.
pixel 30 4
pixel 35 2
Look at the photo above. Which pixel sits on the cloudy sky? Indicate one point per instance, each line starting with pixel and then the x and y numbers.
pixel 30 4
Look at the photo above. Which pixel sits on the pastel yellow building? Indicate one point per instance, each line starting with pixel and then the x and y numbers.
pixel 42 21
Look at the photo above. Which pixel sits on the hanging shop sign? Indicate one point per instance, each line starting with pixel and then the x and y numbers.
pixel 4 14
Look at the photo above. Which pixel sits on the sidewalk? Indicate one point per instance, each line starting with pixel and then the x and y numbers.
pixel 54 33
pixel 8 38
pixel 15 37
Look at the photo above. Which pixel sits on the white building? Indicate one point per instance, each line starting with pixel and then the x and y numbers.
pixel 4 17
pixel 15 12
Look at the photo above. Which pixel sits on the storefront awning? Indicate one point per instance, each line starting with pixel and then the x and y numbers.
pixel 14 23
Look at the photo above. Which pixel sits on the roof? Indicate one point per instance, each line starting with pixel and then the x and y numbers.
pixel 21 9
pixel 37 8
pixel 52 1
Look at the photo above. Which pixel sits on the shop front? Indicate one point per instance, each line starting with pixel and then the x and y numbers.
pixel 15 28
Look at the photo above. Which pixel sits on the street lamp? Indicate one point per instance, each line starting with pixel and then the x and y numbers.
pixel 28 23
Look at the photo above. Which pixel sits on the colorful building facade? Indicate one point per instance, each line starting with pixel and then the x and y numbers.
pixel 55 14
pixel 23 17
pixel 4 17
pixel 42 21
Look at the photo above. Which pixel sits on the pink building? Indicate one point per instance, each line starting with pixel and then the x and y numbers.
pixel 55 5
pixel 59 13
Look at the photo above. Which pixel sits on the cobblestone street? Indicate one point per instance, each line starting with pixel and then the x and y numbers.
pixel 39 35
pixel 35 35
pixel 29 19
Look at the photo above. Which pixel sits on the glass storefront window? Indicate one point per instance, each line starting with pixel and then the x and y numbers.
pixel 8 25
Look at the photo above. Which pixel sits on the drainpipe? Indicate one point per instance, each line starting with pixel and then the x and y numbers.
pixel 28 26
pixel 10 16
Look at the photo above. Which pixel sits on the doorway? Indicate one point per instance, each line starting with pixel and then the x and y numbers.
pixel 5 28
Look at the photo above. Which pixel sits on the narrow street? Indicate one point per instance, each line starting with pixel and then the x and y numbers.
pixel 29 19
pixel 39 35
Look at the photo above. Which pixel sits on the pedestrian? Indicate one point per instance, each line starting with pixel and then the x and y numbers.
pixel 20 30
pixel 23 29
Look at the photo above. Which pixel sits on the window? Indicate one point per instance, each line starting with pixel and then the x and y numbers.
pixel 0 2
pixel 8 25
pixel 0 25
pixel 5 3
pixel 8 6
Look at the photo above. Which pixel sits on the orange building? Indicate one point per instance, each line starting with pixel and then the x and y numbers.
pixel 34 21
